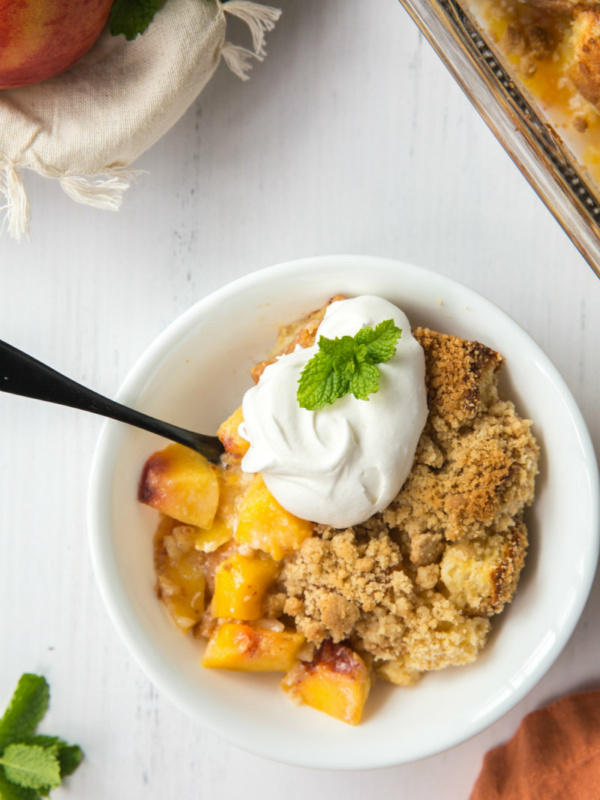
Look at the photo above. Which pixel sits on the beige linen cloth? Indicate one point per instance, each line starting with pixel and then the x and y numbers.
pixel 87 126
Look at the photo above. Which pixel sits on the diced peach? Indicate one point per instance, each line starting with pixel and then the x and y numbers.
pixel 336 682
pixel 181 583
pixel 241 583
pixel 210 540
pixel 184 600
pixel 229 436
pixel 181 484
pixel 232 485
pixel 265 525
pixel 246 648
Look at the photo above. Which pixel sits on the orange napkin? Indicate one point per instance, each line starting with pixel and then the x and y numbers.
pixel 554 755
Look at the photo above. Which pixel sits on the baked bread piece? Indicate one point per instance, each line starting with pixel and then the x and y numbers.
pixel 413 587
pixel 481 574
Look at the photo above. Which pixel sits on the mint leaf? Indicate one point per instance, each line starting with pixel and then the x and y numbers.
pixel 365 381
pixel 28 705
pixel 320 384
pixel 69 758
pixel 31 766
pixel 347 365
pixel 10 791
pixel 69 755
pixel 132 17
pixel 381 343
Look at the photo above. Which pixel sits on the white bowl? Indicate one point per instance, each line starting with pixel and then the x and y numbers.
pixel 194 374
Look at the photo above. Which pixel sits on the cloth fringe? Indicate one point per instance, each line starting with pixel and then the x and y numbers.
pixel 105 192
pixel 16 208
pixel 238 59
pixel 259 19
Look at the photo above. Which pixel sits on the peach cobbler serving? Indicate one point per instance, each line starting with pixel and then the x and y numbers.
pixel 366 519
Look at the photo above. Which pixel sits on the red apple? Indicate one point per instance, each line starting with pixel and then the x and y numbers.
pixel 42 38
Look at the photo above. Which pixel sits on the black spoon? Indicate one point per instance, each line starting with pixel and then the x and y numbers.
pixel 23 375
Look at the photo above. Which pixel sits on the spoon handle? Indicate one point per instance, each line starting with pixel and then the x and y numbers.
pixel 23 375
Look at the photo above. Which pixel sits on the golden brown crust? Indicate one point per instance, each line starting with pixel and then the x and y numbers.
pixel 460 375
pixel 476 460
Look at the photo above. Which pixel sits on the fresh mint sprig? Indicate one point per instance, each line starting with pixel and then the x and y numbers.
pixel 132 17
pixel 347 365
pixel 31 765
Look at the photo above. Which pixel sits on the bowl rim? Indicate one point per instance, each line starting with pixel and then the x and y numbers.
pixel 99 522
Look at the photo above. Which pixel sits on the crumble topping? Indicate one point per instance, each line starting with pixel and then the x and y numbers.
pixel 415 585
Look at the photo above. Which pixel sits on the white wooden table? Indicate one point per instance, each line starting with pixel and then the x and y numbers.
pixel 350 138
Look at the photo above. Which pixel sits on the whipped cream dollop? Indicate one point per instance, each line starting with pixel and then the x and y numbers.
pixel 341 464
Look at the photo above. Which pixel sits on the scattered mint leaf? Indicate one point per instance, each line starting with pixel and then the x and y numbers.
pixel 31 766
pixel 69 755
pixel 69 758
pixel 10 791
pixel 131 17
pixel 28 705
pixel 347 365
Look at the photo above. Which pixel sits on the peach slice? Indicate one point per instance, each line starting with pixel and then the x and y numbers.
pixel 232 484
pixel 336 681
pixel 241 583
pixel 264 525
pixel 245 648
pixel 209 540
pixel 181 484
pixel 229 436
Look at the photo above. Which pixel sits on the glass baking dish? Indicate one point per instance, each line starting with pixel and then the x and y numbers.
pixel 515 117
